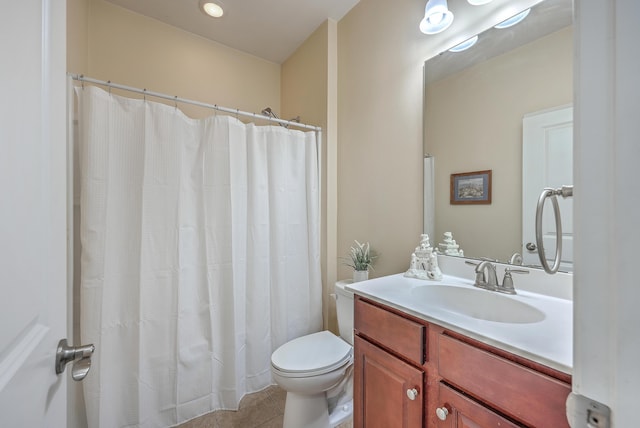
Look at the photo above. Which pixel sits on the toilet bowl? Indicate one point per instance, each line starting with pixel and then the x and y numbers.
pixel 311 366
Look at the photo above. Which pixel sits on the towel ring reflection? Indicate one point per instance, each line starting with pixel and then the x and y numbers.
pixel 548 192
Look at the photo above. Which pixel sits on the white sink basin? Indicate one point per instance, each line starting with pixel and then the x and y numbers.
pixel 477 303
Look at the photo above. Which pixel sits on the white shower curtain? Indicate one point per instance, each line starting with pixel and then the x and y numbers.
pixel 200 255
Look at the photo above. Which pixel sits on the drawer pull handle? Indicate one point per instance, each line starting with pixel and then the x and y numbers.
pixel 412 394
pixel 442 413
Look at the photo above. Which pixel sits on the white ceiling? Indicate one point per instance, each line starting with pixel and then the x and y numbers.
pixel 271 30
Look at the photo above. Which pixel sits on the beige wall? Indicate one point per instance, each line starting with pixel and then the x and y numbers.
pixel 77 36
pixel 380 125
pixel 137 51
pixel 380 132
pixel 474 122
pixel 309 90
pixel 309 86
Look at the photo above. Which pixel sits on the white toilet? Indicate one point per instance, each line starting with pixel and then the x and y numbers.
pixel 316 371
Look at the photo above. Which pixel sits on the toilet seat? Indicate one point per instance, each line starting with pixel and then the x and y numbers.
pixel 311 355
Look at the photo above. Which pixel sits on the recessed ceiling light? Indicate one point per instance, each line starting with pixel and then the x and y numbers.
pixel 213 9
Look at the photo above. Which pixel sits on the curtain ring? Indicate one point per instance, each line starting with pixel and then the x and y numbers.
pixel 175 100
pixel 144 94
pixel 109 86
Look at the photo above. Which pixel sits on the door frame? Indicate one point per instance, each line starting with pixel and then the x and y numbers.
pixel 606 203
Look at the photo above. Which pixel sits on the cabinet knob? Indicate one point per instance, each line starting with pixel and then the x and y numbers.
pixel 412 393
pixel 442 413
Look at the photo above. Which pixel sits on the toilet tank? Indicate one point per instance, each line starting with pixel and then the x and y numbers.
pixel 344 309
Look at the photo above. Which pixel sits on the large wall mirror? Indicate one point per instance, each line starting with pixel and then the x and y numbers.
pixel 475 102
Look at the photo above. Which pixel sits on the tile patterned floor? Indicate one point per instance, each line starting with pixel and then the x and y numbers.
pixel 263 409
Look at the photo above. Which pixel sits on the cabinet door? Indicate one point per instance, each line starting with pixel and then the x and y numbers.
pixel 463 412
pixel 381 382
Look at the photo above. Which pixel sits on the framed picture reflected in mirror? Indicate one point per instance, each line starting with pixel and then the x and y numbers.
pixel 470 188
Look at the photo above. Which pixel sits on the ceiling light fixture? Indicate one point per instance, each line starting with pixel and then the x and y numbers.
pixel 213 9
pixel 479 2
pixel 437 17
pixel 516 19
pixel 464 45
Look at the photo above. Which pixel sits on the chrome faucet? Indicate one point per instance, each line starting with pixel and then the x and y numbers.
pixel 488 280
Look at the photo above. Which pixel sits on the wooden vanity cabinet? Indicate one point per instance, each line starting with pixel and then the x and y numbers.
pixel 459 382
pixel 389 381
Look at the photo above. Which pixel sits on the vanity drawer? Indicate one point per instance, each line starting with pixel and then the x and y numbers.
pixel 517 391
pixel 465 412
pixel 403 336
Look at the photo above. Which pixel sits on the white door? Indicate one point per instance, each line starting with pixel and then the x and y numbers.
pixel 547 153
pixel 607 203
pixel 32 212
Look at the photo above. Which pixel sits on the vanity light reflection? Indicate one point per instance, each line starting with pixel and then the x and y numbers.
pixel 516 19
pixel 464 45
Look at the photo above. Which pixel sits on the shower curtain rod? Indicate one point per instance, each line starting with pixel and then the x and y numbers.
pixel 82 78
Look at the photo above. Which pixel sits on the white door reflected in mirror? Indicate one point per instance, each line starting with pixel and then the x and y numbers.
pixel 547 153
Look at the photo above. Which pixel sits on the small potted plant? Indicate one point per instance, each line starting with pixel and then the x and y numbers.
pixel 360 259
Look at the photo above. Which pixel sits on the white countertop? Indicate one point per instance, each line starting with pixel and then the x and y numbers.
pixel 548 342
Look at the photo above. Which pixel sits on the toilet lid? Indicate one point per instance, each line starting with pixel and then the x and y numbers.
pixel 314 353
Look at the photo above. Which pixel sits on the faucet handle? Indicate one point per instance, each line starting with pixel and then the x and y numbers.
pixel 510 271
pixel 480 278
pixel 507 282
pixel 516 259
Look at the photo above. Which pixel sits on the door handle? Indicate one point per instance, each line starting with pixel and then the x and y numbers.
pixel 79 355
